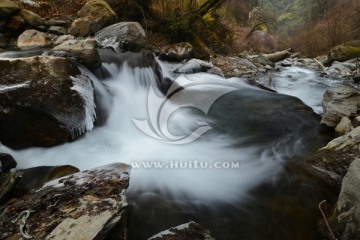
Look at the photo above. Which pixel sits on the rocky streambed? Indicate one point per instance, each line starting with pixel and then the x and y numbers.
pixel 72 99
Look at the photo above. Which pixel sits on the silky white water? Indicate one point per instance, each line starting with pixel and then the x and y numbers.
pixel 304 84
pixel 119 140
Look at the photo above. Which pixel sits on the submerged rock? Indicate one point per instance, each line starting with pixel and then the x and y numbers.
pixel 44 101
pixel 347 222
pixel 95 15
pixel 188 231
pixel 123 36
pixel 86 205
pixel 340 102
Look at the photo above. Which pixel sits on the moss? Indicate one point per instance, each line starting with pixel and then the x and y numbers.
pixel 346 51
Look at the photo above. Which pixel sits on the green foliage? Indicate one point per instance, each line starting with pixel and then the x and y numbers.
pixel 177 27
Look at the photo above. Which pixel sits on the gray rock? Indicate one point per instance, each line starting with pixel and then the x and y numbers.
pixel 32 39
pixel 194 66
pixel 262 61
pixel 339 102
pixel 84 50
pixel 123 36
pixel 176 52
pixel 347 210
pixel 44 101
pixel 216 71
pixel 8 8
pixel 339 70
pixel 58 30
pixel 63 38
pixel 86 205
pixel 343 127
pixel 94 15
pixel 188 231
pixel 32 18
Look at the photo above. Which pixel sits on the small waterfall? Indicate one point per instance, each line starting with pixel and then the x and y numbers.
pixel 249 134
pixel 119 140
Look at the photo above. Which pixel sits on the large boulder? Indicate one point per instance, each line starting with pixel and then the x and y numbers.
pixel 84 51
pixel 8 8
pixel 123 36
pixel 32 39
pixel 95 15
pixel 86 205
pixel 44 101
pixel 340 102
pixel 188 231
pixel 347 221
pixel 344 52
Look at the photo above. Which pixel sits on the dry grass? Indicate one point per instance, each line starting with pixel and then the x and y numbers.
pixel 339 24
pixel 62 9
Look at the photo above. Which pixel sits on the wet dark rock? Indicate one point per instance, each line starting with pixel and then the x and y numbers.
pixel 44 101
pixel 94 15
pixel 142 59
pixel 340 102
pixel 34 178
pixel 3 42
pixel 330 164
pixel 84 51
pixel 7 183
pixel 86 205
pixel 123 36
pixel 188 231
pixel 7 162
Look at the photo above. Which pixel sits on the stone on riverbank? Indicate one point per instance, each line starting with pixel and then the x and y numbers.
pixel 340 102
pixel 86 205
pixel 44 101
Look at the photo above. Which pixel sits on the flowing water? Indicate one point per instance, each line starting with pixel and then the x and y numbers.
pixel 248 133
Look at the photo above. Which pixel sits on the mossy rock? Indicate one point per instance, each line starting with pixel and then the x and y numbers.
pixel 95 15
pixel 344 52
pixel 8 8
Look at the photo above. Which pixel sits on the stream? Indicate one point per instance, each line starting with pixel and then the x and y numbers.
pixel 212 152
